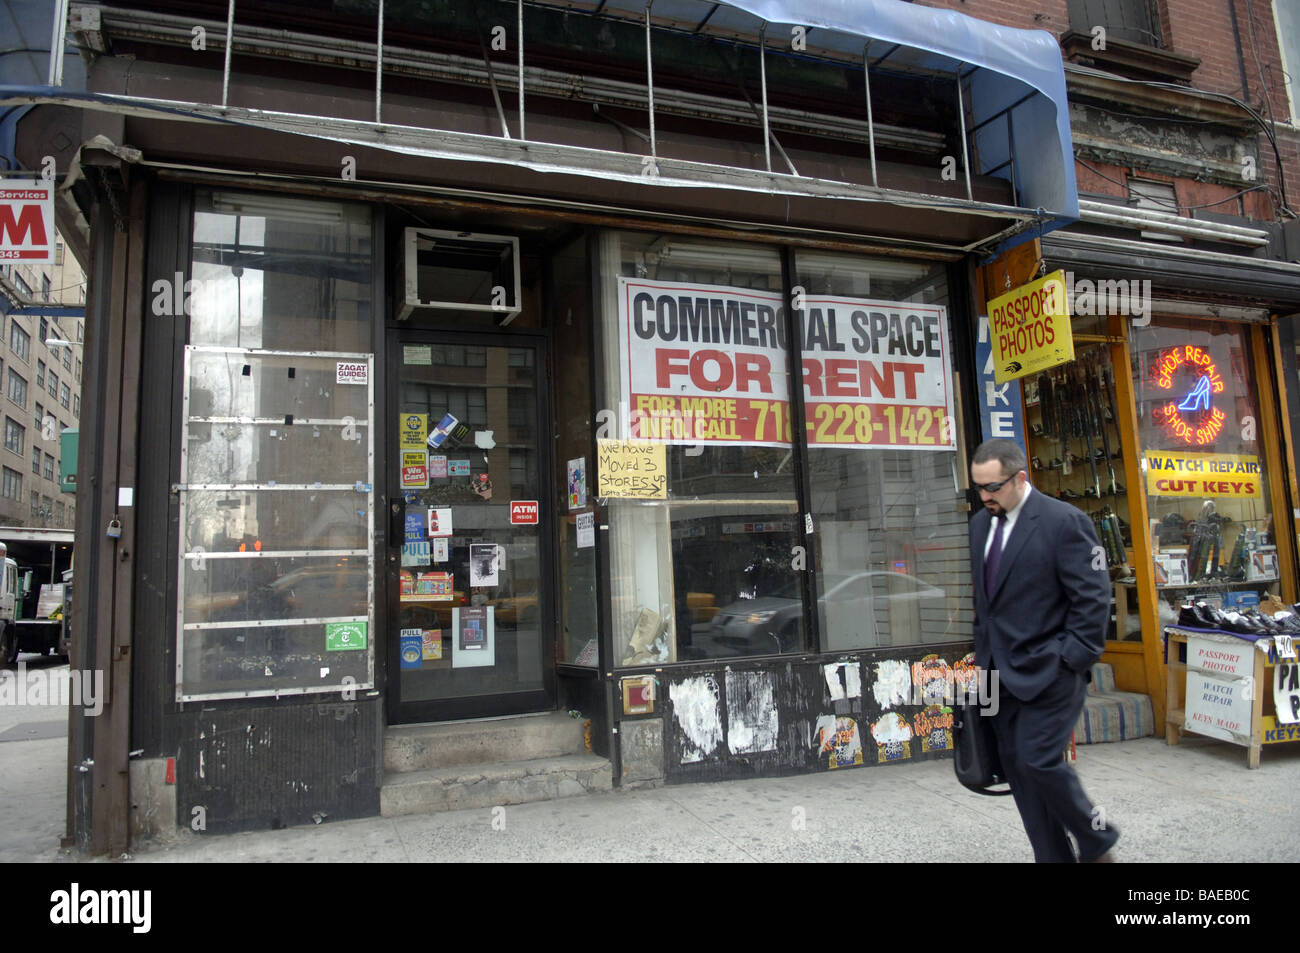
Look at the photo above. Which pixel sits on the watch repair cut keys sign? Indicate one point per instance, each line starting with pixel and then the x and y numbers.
pixel 523 512
pixel 27 222
pixel 1030 328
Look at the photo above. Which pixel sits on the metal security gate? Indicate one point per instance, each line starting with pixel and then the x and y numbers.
pixel 276 567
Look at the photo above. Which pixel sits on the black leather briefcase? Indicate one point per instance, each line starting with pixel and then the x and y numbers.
pixel 976 760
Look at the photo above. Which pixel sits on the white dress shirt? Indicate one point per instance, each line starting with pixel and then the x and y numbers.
pixel 1009 518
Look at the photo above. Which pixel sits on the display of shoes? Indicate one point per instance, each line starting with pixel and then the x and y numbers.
pixel 1289 622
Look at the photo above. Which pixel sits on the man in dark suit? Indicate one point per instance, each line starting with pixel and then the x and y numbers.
pixel 1042 608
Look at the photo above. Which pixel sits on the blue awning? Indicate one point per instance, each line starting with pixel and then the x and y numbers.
pixel 1016 77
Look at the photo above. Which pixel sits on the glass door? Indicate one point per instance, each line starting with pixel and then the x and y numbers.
pixel 469 532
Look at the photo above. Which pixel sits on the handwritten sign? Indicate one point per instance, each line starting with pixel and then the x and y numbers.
pixel 632 469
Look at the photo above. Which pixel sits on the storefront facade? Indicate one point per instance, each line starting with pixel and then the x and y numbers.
pixel 447 420
pixel 487 548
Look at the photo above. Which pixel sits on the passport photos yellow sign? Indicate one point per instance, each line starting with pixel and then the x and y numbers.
pixel 1224 476
pixel 1029 328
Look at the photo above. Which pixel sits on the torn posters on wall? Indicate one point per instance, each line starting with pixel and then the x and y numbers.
pixel 931 681
pixel 893 683
pixel 839 741
pixel 843 680
pixel 893 738
pixel 697 712
pixel 933 726
pixel 707 364
pixel 752 719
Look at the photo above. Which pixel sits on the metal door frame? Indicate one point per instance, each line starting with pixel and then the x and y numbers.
pixel 388 555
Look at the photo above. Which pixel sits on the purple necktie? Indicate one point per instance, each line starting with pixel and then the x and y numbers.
pixel 994 557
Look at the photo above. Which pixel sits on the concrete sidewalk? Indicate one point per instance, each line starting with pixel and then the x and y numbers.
pixel 1193 803
pixel 1196 802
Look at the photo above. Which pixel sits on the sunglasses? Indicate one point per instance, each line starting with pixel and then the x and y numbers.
pixel 991 487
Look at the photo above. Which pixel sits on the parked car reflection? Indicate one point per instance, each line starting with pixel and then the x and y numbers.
pixel 771 624
pixel 319 591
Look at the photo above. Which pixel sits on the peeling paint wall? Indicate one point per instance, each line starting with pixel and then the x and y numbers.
pixel 751 712
pixel 698 717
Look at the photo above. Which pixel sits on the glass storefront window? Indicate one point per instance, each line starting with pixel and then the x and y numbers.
pixel 280 273
pixel 1208 499
pixel 695 356
pixel 276 499
pixel 887 499
pixel 575 501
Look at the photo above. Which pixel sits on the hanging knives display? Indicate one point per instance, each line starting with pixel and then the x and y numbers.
pixel 1084 410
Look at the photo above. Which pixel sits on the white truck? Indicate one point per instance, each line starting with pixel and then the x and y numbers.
pixel 46 630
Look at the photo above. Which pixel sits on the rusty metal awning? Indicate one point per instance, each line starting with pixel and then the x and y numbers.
pixel 1009 91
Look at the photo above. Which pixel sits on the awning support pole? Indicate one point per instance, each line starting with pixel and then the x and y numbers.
pixel 1011 157
pixel 871 126
pixel 492 82
pixel 58 38
pixel 519 31
pixel 650 83
pixel 379 66
pixel 762 72
pixel 225 72
pixel 961 122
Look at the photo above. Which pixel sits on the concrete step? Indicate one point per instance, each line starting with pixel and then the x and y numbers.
pixel 490 785
pixel 482 741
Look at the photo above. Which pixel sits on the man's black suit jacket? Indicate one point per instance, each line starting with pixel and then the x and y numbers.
pixel 1050 604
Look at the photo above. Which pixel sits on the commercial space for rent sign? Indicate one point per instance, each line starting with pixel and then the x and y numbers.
pixel 708 364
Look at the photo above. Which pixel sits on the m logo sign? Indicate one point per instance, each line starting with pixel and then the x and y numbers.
pixel 523 512
pixel 27 222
